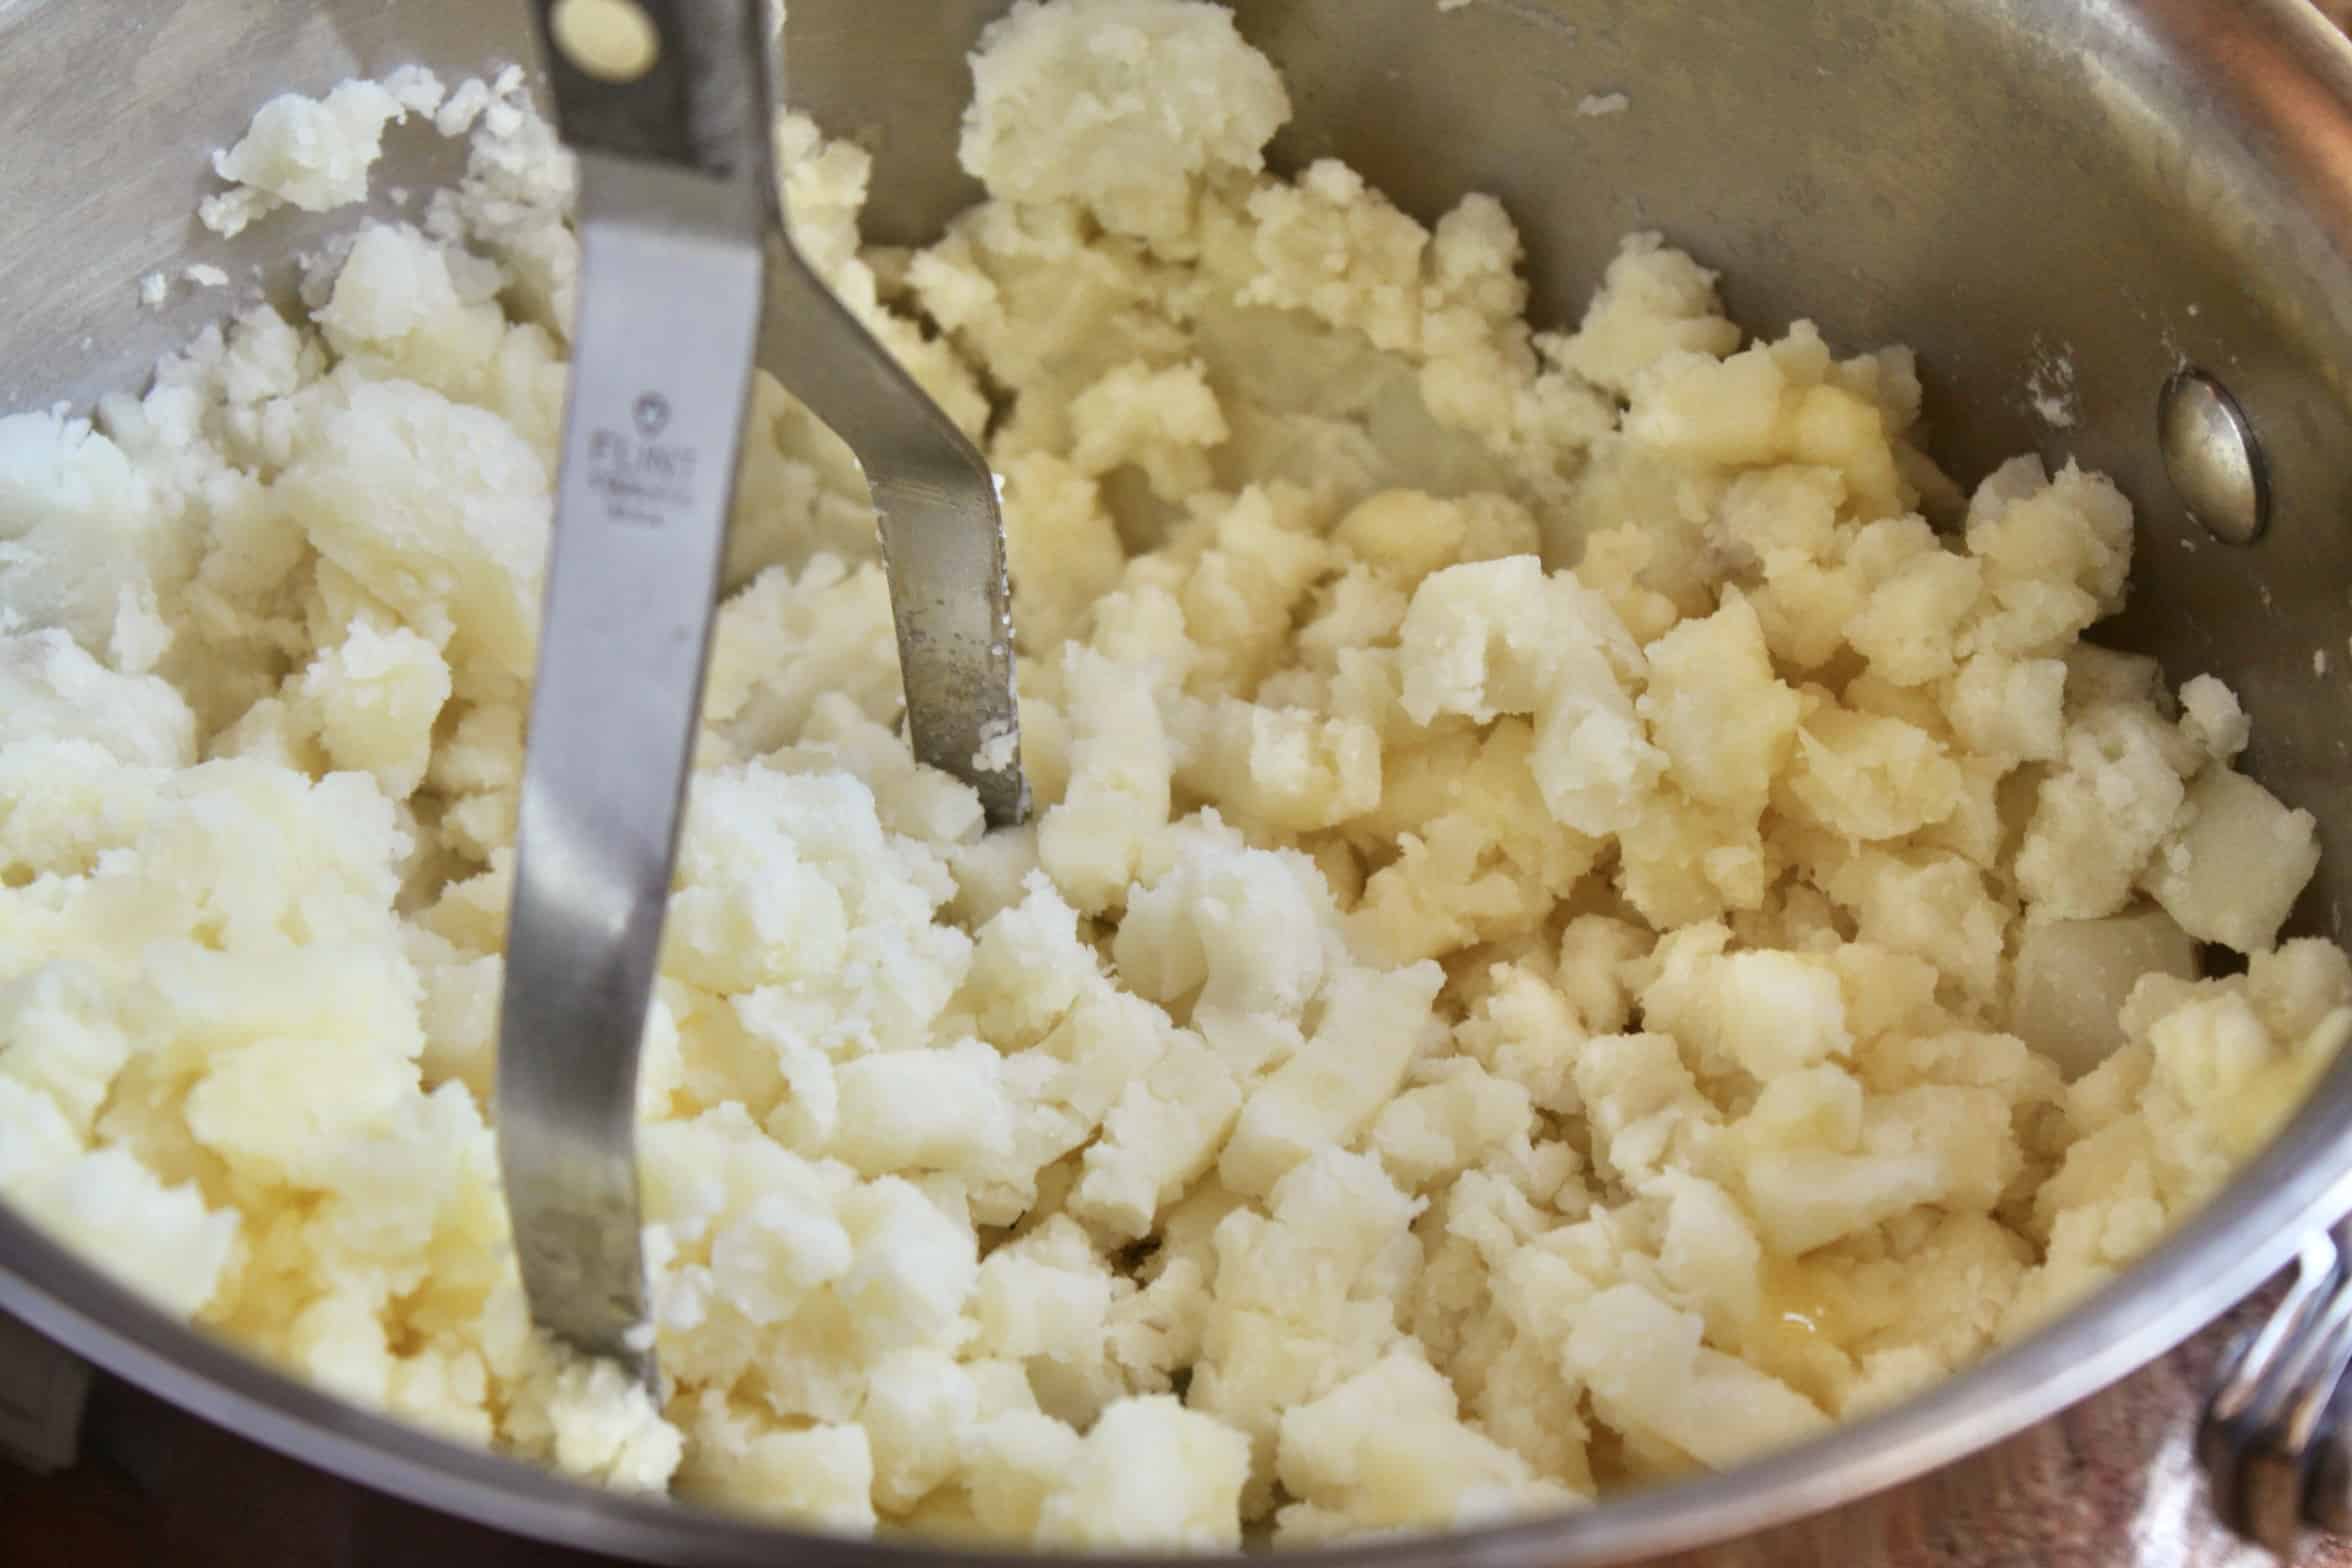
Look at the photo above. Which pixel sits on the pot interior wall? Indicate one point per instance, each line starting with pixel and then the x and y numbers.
pixel 2037 196
pixel 2031 194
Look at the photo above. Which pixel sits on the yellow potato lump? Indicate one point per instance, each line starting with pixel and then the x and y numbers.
pixel 1571 936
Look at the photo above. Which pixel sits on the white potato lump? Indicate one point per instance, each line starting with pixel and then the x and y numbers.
pixel 1570 936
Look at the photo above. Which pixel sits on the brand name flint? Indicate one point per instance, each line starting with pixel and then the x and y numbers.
pixel 623 456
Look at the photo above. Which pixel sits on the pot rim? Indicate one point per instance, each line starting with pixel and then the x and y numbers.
pixel 2302 1180
pixel 2289 79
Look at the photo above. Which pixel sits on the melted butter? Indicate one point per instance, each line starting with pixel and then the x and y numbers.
pixel 2263 1103
pixel 2266 1099
pixel 1797 1296
pixel 1795 1333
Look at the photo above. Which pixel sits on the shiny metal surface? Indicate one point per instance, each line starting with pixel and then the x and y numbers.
pixel 672 206
pixel 2259 1441
pixel 686 266
pixel 2213 458
pixel 1999 182
pixel 943 545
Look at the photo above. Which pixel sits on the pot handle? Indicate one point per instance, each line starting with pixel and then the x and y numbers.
pixel 43 1391
pixel 2273 1440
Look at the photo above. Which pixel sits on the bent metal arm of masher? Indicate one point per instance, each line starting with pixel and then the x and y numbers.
pixel 681 258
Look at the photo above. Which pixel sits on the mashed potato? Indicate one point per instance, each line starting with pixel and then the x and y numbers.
pixel 1571 936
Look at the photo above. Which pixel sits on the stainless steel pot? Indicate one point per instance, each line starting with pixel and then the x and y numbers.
pixel 2119 187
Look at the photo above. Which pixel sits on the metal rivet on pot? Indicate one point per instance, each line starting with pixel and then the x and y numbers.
pixel 612 40
pixel 2210 452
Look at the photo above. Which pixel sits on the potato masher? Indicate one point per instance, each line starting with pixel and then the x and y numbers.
pixel 688 277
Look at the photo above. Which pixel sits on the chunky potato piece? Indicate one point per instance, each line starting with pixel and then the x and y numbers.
pixel 2235 861
pixel 2073 976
